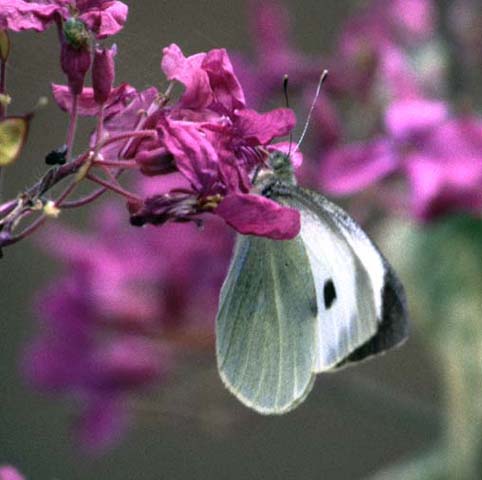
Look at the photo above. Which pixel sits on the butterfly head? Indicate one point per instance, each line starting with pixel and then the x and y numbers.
pixel 282 167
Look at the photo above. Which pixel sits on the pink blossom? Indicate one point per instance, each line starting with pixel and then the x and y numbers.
pixel 118 99
pixel 20 15
pixel 106 324
pixel 440 155
pixel 213 140
pixel 102 17
pixel 445 173
pixel 208 77
pixel 406 119
pixel 9 473
pixel 353 167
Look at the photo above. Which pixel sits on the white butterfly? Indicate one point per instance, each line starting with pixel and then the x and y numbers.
pixel 293 308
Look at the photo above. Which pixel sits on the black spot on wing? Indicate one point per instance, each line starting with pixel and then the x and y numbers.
pixel 329 293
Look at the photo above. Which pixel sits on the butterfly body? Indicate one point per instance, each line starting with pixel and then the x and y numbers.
pixel 290 309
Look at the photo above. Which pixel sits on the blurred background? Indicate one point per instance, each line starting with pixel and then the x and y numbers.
pixel 414 412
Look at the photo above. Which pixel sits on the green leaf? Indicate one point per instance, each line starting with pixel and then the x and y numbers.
pixel 13 134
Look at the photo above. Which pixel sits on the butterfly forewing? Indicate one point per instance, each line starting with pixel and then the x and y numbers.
pixel 366 313
pixel 266 324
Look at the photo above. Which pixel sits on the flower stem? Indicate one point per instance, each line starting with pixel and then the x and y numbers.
pixel 3 109
pixel 72 126
pixel 127 164
pixel 3 86
pixel 114 188
pixel 85 200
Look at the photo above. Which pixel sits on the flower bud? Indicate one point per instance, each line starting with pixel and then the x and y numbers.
pixel 75 63
pixel 103 72
pixel 157 161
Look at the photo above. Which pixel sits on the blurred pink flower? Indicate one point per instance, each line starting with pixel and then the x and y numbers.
pixel 440 155
pixel 108 325
pixel 10 473
pixel 374 48
pixel 353 167
pixel 445 173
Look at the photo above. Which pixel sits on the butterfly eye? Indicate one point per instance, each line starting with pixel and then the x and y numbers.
pixel 329 293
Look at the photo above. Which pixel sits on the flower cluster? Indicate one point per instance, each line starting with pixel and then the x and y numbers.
pixel 209 135
pixel 388 61
pixel 215 142
pixel 112 324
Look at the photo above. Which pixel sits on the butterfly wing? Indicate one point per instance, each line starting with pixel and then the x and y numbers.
pixel 361 304
pixel 266 324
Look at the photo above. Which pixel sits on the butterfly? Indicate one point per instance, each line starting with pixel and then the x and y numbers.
pixel 290 309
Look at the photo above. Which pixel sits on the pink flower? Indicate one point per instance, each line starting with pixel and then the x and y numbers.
pixel 208 77
pixel 215 142
pixel 410 118
pixel 445 173
pixel 440 156
pixel 106 325
pixel 10 473
pixel 102 17
pixel 354 167
pixel 118 100
pixel 20 15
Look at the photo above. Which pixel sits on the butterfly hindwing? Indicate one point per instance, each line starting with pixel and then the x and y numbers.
pixel 265 328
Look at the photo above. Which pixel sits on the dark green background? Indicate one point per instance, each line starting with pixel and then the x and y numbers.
pixel 353 423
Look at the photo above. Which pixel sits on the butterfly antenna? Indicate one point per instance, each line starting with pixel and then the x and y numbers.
pixel 287 102
pixel 310 113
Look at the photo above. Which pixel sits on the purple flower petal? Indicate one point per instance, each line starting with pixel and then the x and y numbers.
pixel 445 172
pixel 9 473
pixel 351 168
pixel 408 118
pixel 100 425
pixel 261 128
pixel 125 363
pixel 256 215
pixel 20 15
pixel 103 17
pixel 118 99
pixel 437 191
pixel 188 71
pixel 227 91
pixel 413 19
pixel 195 156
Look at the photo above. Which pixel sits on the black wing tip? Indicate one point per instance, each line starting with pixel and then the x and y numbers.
pixel 394 325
